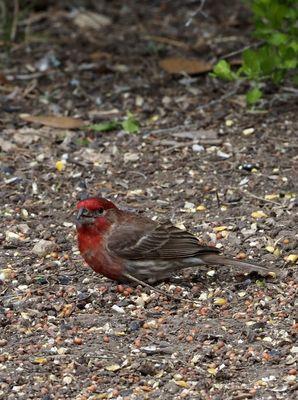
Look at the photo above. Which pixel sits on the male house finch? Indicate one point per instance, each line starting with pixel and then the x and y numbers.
pixel 123 245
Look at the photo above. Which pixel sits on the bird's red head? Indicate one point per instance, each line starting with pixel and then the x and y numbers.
pixel 95 203
pixel 92 213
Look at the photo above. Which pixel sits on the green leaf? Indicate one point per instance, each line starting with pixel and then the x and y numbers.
pixel 130 125
pixel 275 23
pixel 295 80
pixel 290 63
pixel 223 70
pixel 268 59
pixel 262 32
pixel 294 45
pixel 251 63
pixel 261 283
pixel 278 76
pixel 104 126
pixel 253 95
pixel 289 58
pixel 82 142
pixel 278 38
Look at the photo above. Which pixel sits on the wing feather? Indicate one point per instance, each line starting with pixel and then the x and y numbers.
pixel 155 241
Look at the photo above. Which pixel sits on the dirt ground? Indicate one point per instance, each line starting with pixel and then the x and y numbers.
pixel 200 159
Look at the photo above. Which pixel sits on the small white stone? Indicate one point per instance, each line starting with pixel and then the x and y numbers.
pixel 24 228
pixel 40 157
pixel 44 247
pixel 196 358
pixel 189 207
pixel 11 236
pixel 203 296
pixel 294 349
pixel 197 148
pixel 244 181
pixel 151 324
pixel 177 377
pixel 68 224
pixel 67 380
pixel 248 131
pixel 62 350
pixel 24 213
pixel 23 288
pixel 131 157
pixel 223 155
pixel 242 294
pixel 34 188
pixel 118 309
pixel 139 101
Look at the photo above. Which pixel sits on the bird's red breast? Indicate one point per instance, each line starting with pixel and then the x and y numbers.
pixel 92 248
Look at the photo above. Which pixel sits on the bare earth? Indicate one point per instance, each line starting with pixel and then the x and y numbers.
pixel 67 333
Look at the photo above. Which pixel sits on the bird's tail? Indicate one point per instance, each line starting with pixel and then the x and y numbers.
pixel 246 266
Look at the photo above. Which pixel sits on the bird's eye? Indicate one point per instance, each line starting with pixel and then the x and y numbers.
pixel 99 211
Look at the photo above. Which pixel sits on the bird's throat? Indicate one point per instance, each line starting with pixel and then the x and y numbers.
pixel 92 248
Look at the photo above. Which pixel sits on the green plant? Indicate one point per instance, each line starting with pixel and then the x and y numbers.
pixel 129 125
pixel 275 24
pixel 13 13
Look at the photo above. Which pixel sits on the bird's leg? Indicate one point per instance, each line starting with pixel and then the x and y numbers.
pixel 144 284
pixel 169 295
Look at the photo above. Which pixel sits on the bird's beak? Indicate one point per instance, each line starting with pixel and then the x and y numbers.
pixel 79 214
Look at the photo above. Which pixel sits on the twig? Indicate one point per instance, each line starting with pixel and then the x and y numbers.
pixel 14 25
pixel 217 199
pixel 3 12
pixel 171 42
pixel 261 198
pixel 220 99
pixel 243 396
pixel 199 10
pixel 212 142
pixel 172 130
pixel 290 89
pixel 234 53
pixel 4 291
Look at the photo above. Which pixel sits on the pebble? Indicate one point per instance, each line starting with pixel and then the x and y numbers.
pixel 67 380
pixel 3 342
pixel 248 131
pixel 134 326
pixel 44 247
pixel 63 280
pixel 131 157
pixel 118 309
pixel 77 340
pixel 223 155
pixel 292 371
pixel 141 300
pixel 172 387
pixel 12 236
pixel 23 228
pixel 152 324
pixel 197 148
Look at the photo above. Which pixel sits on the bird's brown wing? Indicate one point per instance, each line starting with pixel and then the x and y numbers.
pixel 154 241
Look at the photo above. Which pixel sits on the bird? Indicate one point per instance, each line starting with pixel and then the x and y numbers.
pixel 126 246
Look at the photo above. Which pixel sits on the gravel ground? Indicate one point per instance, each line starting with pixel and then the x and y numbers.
pixel 202 160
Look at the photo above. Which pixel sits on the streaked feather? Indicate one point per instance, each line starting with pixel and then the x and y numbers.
pixel 152 241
